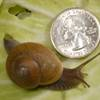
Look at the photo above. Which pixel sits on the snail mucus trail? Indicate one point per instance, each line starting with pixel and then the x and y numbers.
pixel 30 65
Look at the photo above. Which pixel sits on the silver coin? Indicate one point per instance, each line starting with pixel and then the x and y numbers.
pixel 75 33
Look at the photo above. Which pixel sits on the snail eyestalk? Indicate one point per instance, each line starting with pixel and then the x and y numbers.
pixel 71 77
pixel 81 75
pixel 9 42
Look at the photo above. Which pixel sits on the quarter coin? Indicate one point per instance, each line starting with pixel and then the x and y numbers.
pixel 75 33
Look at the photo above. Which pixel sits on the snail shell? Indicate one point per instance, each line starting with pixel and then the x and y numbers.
pixel 31 64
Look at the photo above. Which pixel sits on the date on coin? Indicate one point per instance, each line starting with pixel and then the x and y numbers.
pixel 75 33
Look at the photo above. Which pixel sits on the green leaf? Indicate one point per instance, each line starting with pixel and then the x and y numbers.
pixel 35 28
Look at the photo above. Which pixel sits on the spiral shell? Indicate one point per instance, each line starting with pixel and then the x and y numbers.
pixel 31 64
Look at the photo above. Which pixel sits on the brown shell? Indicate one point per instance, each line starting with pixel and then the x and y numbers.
pixel 32 64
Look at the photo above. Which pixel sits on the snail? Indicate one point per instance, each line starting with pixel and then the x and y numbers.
pixel 30 65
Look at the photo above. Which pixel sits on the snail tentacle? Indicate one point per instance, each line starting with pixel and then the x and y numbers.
pixel 71 77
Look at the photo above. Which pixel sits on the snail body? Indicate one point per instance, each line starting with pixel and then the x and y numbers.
pixel 31 65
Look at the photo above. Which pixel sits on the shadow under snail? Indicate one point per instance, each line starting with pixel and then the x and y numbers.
pixel 30 65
